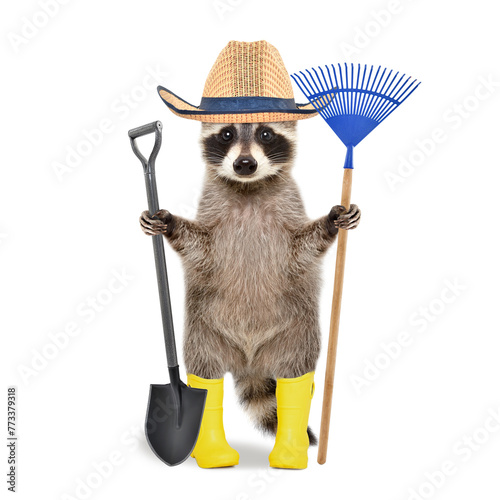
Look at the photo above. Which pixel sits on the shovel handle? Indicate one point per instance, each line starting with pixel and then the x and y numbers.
pixel 334 322
pixel 159 250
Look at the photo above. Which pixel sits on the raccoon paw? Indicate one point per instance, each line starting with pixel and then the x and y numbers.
pixel 339 218
pixel 160 223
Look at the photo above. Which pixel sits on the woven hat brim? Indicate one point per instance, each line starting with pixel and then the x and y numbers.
pixel 184 109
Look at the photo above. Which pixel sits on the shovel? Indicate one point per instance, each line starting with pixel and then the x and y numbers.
pixel 175 410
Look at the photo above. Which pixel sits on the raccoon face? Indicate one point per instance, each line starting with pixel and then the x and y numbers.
pixel 248 152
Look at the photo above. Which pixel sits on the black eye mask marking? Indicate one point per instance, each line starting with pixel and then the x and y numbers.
pixel 278 150
pixel 215 148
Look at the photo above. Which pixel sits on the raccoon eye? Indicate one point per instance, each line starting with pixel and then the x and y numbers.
pixel 226 135
pixel 267 135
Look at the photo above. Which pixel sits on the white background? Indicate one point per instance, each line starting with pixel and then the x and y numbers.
pixel 62 237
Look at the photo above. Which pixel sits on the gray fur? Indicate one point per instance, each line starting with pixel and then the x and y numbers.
pixel 252 269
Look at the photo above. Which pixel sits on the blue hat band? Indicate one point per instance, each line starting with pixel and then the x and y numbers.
pixel 246 104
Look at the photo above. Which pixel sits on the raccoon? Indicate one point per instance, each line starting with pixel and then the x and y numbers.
pixel 252 264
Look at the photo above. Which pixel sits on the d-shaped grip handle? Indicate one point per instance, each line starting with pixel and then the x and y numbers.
pixel 156 127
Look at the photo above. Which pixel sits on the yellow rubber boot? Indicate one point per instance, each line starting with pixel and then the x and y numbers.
pixel 211 449
pixel 294 402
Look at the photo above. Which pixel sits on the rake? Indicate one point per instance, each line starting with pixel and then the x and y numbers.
pixel 353 101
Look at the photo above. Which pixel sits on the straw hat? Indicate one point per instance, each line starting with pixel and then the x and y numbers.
pixel 247 84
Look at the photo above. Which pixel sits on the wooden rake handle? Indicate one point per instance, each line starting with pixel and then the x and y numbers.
pixel 334 323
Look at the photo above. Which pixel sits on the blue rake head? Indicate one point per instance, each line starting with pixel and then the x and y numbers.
pixel 354 101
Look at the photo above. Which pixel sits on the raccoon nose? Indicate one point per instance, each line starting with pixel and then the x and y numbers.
pixel 245 165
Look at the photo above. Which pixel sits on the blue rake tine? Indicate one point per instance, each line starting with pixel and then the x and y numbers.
pixel 356 94
pixel 335 104
pixel 319 94
pixel 353 95
pixel 315 83
pixel 391 96
pixel 327 95
pixel 364 94
pixel 303 87
pixel 308 84
pixel 389 100
pixel 403 99
pixel 341 95
pixel 374 98
pixel 369 94
pixel 384 115
pixel 349 94
pixel 344 88
pixel 382 100
pixel 340 87
pixel 401 88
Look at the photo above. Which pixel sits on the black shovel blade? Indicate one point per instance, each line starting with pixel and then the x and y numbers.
pixel 173 421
